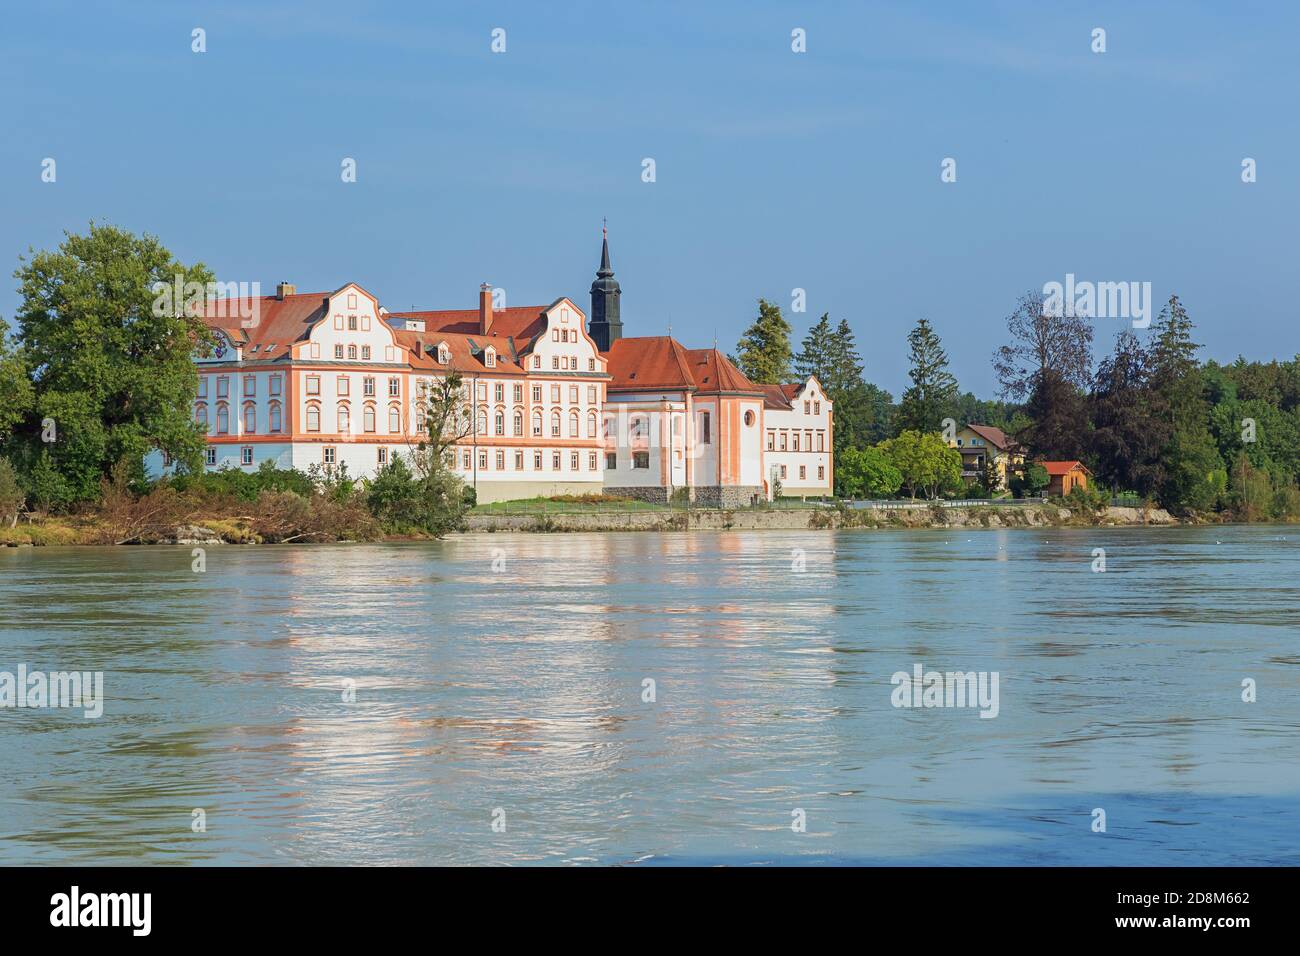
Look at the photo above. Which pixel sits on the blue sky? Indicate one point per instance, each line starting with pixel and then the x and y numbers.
pixel 775 170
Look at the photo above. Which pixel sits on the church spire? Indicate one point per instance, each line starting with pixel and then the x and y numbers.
pixel 606 324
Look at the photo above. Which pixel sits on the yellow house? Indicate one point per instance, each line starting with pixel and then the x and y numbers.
pixel 979 444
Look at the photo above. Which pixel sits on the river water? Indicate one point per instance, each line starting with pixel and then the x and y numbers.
pixel 502 712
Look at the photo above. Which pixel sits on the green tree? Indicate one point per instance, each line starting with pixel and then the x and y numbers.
pixel 1130 426
pixel 16 394
pixel 1043 339
pixel 1058 419
pixel 932 396
pixel 925 462
pixel 866 473
pixel 814 357
pixel 111 363
pixel 12 495
pixel 763 352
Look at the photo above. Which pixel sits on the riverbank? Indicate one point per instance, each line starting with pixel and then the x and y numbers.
pixel 83 531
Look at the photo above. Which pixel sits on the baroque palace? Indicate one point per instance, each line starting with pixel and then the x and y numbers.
pixel 562 405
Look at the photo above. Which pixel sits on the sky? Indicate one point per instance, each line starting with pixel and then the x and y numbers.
pixel 774 170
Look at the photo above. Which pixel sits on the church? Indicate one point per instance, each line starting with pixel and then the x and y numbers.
pixel 562 402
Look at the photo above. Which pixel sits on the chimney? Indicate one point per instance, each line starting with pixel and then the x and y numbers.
pixel 283 289
pixel 485 309
pixel 419 346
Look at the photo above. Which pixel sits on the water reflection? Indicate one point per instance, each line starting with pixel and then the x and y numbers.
pixel 508 671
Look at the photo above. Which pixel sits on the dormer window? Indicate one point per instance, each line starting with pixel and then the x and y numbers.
pixel 490 357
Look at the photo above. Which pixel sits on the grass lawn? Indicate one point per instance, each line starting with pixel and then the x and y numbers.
pixel 574 504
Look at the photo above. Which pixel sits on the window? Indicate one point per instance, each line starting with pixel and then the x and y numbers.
pixel 611 460
pixel 537 393
pixel 201 415
pixel 344 419
pixel 313 418
pixel 501 461
pixel 490 359
pixel 250 418
pixel 223 387
pixel 573 424
pixel 482 391
pixel 821 441
pixel 817 408
pixel 803 472
pixel 223 420
pixel 338 351
pixel 821 472
pixel 368 418
pixel 313 384
pixel 352 352
pixel 343 387
pixel 573 461
pixel 465 461
pixel 555 424
pixel 783 471
pixel 328 456
pixel 573 394
pixel 806 406
pixel 591 394
pixel 444 356
pixel 519 424
pixel 555 361
pixel 382 456
pixel 498 392
pixel 537 361
pixel 368 386
pixel 785 440
pixel 481 426
pixel 482 461
pixel 591 461
pixel 365 353
pixel 749 418
pixel 519 392
pixel 352 322
pixel 499 423
pixel 250 384
pixel 203 386
pixel 555 393
pixel 394 419
pixel 246 455
pixel 795 445
pixel 275 385
pixel 771 441
pixel 277 423
pixel 591 424
pixel 555 461
pixel 706 436
pixel 555 335
pixel 209 456
pixel 537 461
pixel 640 459
pixel 394 387
pixel 591 365
pixel 519 461
pixel 537 424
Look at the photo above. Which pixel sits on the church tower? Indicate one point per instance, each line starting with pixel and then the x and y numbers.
pixel 606 325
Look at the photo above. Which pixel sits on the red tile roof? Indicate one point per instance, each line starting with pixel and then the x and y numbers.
pixel 994 436
pixel 1063 467
pixel 661 362
pixel 467 352
pixel 275 321
pixel 776 397
pixel 523 322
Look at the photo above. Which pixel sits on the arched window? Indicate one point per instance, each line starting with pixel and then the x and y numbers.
pixel 201 415
pixel 537 424
pixel 313 418
pixel 352 351
pixel 500 423
pixel 368 418
pixel 482 421
pixel 250 418
pixel 344 419
pixel 555 424
pixel 223 420
pixel 591 424
pixel 573 424
pixel 277 422
pixel 394 419
pixel 519 423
